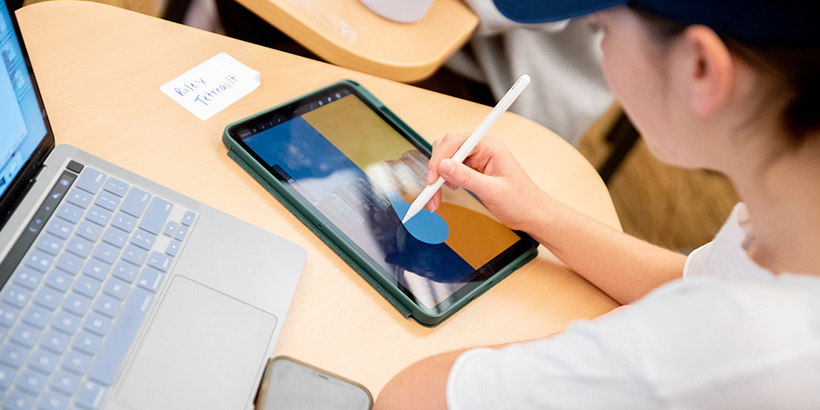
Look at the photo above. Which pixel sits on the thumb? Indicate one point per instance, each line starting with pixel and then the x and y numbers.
pixel 460 175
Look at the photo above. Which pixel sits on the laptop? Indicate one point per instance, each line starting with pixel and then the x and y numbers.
pixel 119 293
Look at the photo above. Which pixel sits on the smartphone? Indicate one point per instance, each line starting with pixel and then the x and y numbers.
pixel 290 384
pixel 344 164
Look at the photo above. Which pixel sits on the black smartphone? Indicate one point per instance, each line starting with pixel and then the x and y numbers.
pixel 345 165
pixel 290 384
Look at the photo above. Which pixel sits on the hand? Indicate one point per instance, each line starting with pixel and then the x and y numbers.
pixel 492 173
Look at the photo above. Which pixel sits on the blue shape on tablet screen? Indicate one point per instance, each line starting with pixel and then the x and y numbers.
pixel 425 225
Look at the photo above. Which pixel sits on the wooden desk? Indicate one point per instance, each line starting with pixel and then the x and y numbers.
pixel 100 69
pixel 399 51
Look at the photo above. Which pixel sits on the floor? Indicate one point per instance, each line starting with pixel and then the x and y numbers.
pixel 675 208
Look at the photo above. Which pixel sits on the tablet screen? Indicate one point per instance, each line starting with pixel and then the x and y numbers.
pixel 354 167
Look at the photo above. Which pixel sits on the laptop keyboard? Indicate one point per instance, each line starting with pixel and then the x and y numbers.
pixel 100 250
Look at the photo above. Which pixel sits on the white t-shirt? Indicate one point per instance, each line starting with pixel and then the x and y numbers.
pixel 729 335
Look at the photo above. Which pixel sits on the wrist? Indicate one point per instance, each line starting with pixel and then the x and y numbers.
pixel 539 217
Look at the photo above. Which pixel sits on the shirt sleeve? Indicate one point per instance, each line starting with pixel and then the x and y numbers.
pixel 594 364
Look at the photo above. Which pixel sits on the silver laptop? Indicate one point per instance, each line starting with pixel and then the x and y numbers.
pixel 119 293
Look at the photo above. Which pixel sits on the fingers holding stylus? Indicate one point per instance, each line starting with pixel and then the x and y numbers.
pixel 456 174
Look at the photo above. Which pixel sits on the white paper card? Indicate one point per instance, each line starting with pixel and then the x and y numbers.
pixel 213 85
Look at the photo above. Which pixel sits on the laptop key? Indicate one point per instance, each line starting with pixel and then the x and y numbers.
pixel 107 201
pixel 66 322
pixel 43 361
pixel 106 253
pixel 28 278
pixel 65 382
pixel 97 324
pixel 70 213
pixel 8 314
pixel 170 229
pixel 39 260
pixel 155 216
pixel 77 303
pixel 25 335
pixel 188 218
pixel 125 271
pixel 116 288
pixel 79 246
pixel 55 341
pixel 89 230
pixel 6 376
pixel 13 356
pixel 91 395
pixel 69 263
pixel 143 239
pixel 76 362
pixel 60 228
pixel 18 400
pixel 50 244
pixel 115 236
pixel 91 180
pixel 54 401
pixel 48 298
pixel 87 286
pixel 59 280
pixel 79 197
pixel 181 233
pixel 150 279
pixel 107 306
pixel 16 296
pixel 134 255
pixel 116 187
pixel 98 215
pixel 173 248
pixel 124 222
pixel 135 202
pixel 159 261
pixel 97 269
pixel 37 316
pixel 31 381
pixel 87 343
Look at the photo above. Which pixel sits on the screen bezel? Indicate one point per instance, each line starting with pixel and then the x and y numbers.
pixel 251 126
pixel 20 184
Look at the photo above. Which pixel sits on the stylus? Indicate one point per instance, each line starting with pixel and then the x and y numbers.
pixel 470 143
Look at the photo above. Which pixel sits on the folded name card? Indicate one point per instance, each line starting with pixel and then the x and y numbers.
pixel 213 85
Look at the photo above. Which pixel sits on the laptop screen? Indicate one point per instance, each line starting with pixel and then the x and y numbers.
pixel 22 124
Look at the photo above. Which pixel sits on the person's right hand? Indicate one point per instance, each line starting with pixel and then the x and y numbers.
pixel 492 173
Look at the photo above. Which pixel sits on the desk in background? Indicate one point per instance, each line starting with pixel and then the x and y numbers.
pixel 348 34
pixel 100 69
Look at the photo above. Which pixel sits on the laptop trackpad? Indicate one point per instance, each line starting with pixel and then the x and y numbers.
pixel 203 350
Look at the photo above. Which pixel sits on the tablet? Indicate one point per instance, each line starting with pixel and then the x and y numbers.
pixel 346 166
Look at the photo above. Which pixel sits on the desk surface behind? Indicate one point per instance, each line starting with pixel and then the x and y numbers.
pixel 100 70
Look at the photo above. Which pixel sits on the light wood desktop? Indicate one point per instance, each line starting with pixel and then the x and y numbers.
pixel 100 70
pixel 348 34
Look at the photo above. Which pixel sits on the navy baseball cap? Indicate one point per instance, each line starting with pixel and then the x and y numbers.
pixel 754 22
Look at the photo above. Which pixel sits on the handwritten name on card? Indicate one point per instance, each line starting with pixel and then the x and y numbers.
pixel 213 85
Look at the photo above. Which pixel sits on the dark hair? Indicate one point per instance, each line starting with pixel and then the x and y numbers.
pixel 795 67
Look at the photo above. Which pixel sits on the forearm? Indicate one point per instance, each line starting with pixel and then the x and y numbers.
pixel 422 385
pixel 623 266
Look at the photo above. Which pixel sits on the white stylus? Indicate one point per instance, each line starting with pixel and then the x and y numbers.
pixel 470 143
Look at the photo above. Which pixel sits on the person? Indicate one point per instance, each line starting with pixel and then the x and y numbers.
pixel 568 92
pixel 727 85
